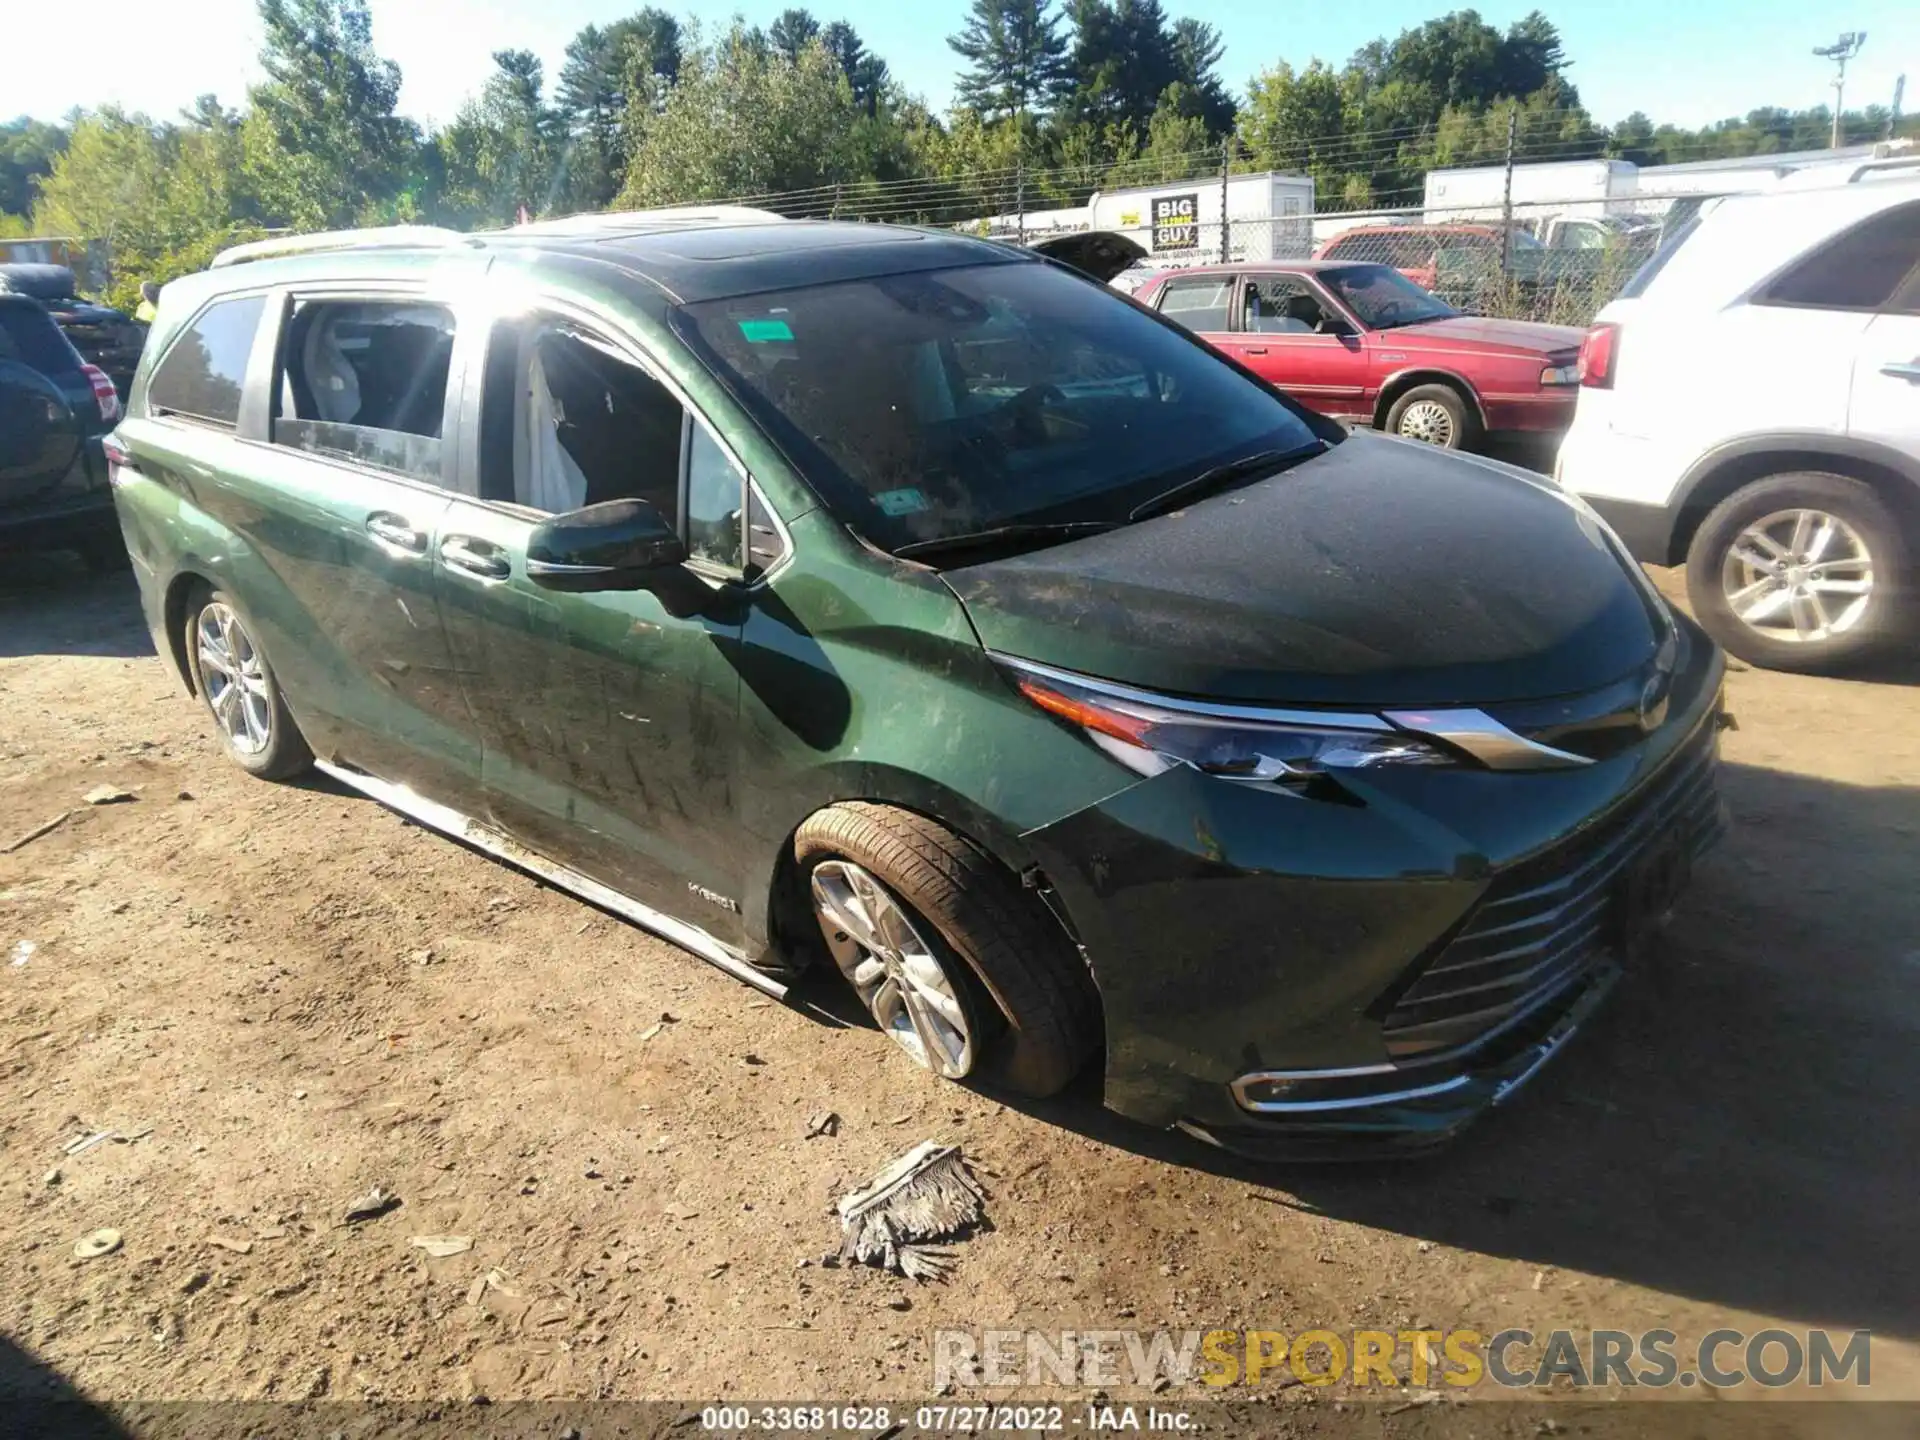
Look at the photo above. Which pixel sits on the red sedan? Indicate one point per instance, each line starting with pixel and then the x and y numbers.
pixel 1363 343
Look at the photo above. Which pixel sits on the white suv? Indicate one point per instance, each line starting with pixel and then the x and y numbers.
pixel 1751 404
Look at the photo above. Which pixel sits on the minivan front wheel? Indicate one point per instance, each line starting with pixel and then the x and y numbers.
pixel 963 969
pixel 232 676
pixel 1801 572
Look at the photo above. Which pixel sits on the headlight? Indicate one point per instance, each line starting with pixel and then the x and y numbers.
pixel 1560 375
pixel 1149 735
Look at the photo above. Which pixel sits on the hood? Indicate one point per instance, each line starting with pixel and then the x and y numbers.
pixel 1102 254
pixel 1526 335
pixel 1380 573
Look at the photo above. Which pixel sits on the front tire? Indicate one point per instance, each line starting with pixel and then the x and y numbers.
pixel 233 678
pixel 1804 571
pixel 1436 415
pixel 962 968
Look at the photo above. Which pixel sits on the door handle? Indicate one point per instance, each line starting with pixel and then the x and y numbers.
pixel 1909 371
pixel 396 533
pixel 481 559
pixel 1256 350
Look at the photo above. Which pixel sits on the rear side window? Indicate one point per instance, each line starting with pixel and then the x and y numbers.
pixel 1860 269
pixel 1199 304
pixel 204 368
pixel 366 381
pixel 28 335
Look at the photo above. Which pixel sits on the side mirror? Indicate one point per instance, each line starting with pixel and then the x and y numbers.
pixel 1337 326
pixel 615 545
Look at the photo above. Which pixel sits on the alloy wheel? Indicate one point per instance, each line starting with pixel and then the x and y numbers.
pixel 234 680
pixel 1798 576
pixel 894 971
pixel 1429 422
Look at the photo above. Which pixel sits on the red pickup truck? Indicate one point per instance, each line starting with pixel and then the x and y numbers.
pixel 1361 342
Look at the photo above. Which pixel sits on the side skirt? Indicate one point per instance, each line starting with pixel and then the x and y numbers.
pixel 482 837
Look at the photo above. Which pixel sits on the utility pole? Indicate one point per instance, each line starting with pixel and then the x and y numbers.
pixel 1893 119
pixel 1020 170
pixel 1840 52
pixel 1506 200
pixel 1226 170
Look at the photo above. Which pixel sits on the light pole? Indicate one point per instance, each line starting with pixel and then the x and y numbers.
pixel 1840 53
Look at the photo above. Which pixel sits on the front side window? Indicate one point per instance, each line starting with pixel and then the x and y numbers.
pixel 1863 268
pixel 1200 304
pixel 1382 298
pixel 926 406
pixel 366 381
pixel 1283 305
pixel 205 368
pixel 569 419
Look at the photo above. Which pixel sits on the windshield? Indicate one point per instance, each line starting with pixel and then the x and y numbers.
pixel 931 405
pixel 1381 297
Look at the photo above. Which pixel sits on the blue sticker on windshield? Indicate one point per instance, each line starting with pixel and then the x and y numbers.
pixel 900 502
pixel 759 332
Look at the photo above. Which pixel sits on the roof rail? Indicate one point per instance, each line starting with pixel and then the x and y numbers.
pixel 380 238
pixel 615 221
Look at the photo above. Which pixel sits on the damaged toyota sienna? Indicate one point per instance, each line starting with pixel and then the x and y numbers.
pixel 917 608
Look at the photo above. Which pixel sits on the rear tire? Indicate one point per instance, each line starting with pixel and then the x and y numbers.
pixel 233 679
pixel 1777 611
pixel 1033 1007
pixel 1436 415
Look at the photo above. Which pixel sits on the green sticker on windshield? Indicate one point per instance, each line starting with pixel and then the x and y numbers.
pixel 759 332
pixel 900 502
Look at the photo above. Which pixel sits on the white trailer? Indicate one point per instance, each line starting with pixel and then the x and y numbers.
pixel 1567 187
pixel 1179 224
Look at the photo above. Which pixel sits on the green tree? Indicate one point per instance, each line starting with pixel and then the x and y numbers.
pixel 603 69
pixel 866 72
pixel 1197 48
pixel 1123 60
pixel 323 145
pixel 502 154
pixel 790 32
pixel 27 151
pixel 1015 54
pixel 745 120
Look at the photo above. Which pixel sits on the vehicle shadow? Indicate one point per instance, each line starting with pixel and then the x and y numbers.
pixel 53 605
pixel 37 1400
pixel 1739 1127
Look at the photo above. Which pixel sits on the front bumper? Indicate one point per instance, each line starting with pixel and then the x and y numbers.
pixel 1394 965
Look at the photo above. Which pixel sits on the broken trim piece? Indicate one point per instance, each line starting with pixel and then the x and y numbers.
pixel 451 822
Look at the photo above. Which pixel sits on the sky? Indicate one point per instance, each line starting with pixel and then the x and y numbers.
pixel 1688 61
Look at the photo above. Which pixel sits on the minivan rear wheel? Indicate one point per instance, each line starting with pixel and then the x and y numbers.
pixel 1804 571
pixel 960 966
pixel 232 676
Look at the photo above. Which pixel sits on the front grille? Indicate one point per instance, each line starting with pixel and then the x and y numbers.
pixel 1548 920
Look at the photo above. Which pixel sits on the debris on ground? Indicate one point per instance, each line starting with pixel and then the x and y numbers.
pixel 927 1194
pixel 823 1122
pixel 22 952
pixel 370 1206
pixel 441 1246
pixel 96 1243
pixel 52 1177
pixel 80 1144
pixel 227 1242
pixel 45 827
pixel 667 1018
pixel 678 1211
pixel 107 795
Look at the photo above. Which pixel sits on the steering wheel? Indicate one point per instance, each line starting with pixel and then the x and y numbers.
pixel 1024 409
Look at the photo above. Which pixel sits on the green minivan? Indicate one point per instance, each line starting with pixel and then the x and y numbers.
pixel 918 605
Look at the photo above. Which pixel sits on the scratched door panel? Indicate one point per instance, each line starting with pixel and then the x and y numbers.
pixel 606 722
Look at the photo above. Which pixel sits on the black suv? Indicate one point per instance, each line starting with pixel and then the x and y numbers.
pixel 54 409
pixel 104 336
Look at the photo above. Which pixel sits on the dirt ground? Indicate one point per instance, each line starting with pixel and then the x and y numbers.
pixel 282 996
